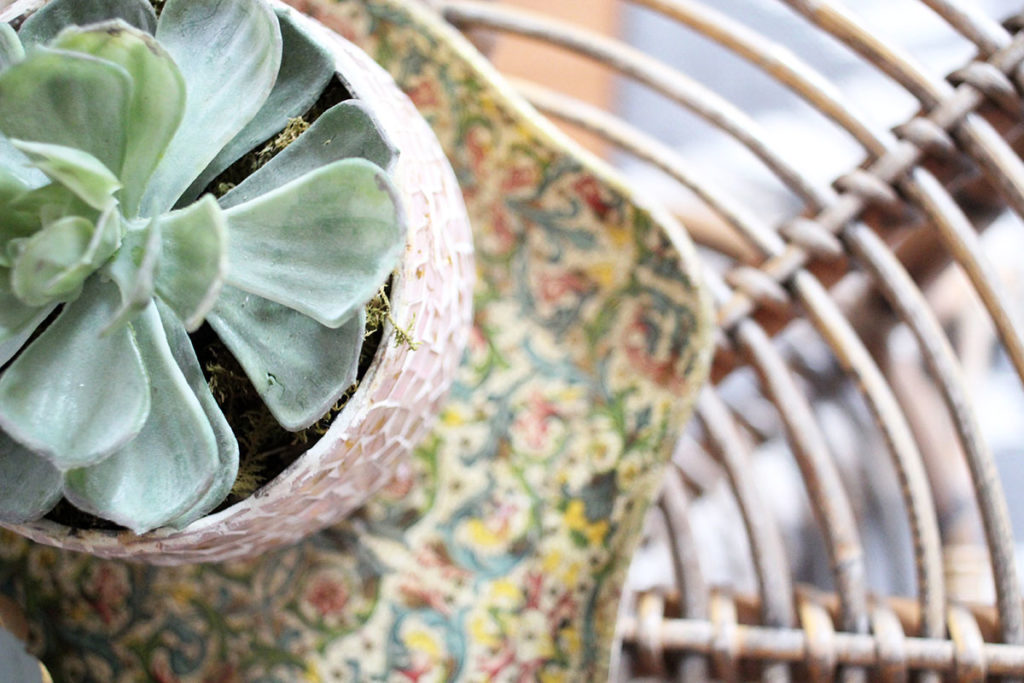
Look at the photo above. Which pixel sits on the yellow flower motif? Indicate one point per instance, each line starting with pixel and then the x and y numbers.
pixel 183 593
pixel 484 631
pixel 621 235
pixel 603 273
pixel 576 520
pixel 551 561
pixel 506 593
pixel 570 638
pixel 311 674
pixel 570 393
pixel 552 677
pixel 452 418
pixel 482 535
pixel 423 641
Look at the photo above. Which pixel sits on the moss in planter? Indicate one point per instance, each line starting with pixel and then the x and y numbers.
pixel 265 448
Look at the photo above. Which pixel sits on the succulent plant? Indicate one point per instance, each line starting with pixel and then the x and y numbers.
pixel 112 123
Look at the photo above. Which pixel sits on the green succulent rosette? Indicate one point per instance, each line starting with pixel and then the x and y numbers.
pixel 112 123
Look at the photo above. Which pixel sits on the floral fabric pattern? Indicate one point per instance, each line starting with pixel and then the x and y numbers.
pixel 499 552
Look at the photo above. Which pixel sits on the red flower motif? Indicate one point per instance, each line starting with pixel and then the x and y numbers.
pixel 108 593
pixel 641 349
pixel 327 596
pixel 519 177
pixel 590 190
pixel 533 422
pixel 424 95
pixel 554 287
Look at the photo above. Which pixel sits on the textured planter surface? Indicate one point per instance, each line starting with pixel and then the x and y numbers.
pixel 398 397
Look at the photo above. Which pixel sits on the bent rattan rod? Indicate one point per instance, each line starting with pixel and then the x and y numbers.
pixel 994 515
pixel 837 332
pixel 951 108
pixel 927 193
pixel 766 547
pixel 1004 167
pixel 759 644
pixel 644 69
pixel 953 227
pixel 919 185
pixel 1000 164
pixel 693 590
pixel 971 23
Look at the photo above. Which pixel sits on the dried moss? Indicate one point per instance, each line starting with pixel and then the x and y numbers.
pixel 266 448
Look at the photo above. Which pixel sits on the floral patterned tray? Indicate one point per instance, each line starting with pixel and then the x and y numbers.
pixel 500 552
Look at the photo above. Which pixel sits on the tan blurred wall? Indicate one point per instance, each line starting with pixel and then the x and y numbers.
pixel 555 68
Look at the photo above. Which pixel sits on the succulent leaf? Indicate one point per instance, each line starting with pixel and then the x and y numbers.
pixel 68 99
pixel 28 212
pixel 157 102
pixel 299 367
pixel 80 172
pixel 345 131
pixel 54 262
pixel 229 52
pixel 306 67
pixel 133 269
pixel 29 485
pixel 14 225
pixel 44 25
pixel 14 163
pixel 161 473
pixel 227 445
pixel 73 396
pixel 322 258
pixel 16 317
pixel 11 49
pixel 193 260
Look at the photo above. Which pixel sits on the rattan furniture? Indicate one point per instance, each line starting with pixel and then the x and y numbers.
pixel 821 305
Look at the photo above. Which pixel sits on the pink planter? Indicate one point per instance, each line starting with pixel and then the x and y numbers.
pixel 399 395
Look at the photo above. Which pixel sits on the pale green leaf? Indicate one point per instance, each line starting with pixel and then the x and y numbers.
pixel 80 172
pixel 11 49
pixel 227 445
pixel 11 343
pixel 16 164
pixel 306 67
pixel 14 225
pixel 44 25
pixel 133 269
pixel 229 52
pixel 53 263
pixel 28 212
pixel 29 485
pixel 66 98
pixel 16 317
pixel 157 102
pixel 322 244
pixel 345 131
pixel 193 260
pixel 73 395
pixel 299 367
pixel 161 473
